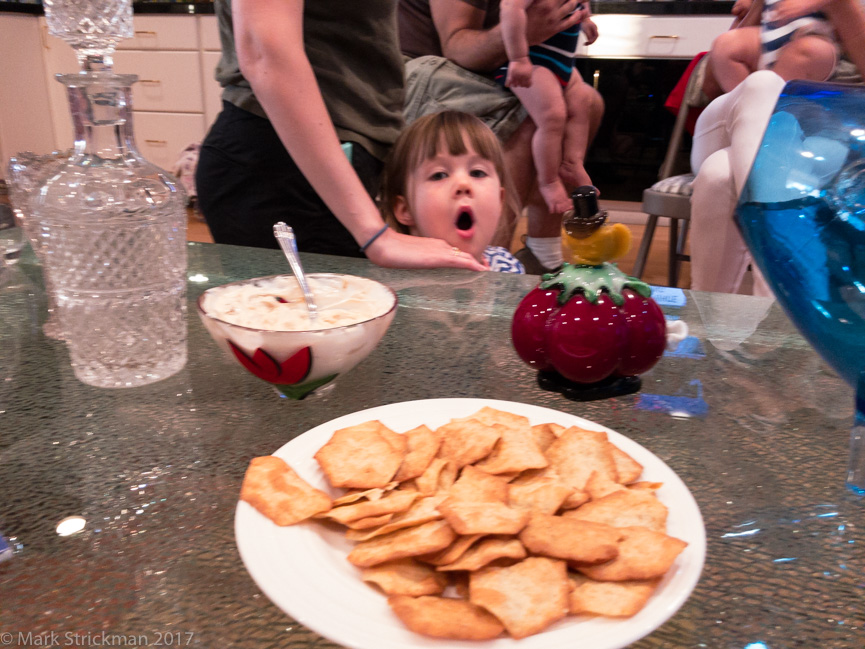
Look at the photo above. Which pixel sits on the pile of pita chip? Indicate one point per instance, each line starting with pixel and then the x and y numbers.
pixel 485 526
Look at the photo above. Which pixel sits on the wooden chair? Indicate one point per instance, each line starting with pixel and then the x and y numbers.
pixel 670 197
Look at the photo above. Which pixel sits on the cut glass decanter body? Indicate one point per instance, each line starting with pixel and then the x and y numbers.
pixel 113 225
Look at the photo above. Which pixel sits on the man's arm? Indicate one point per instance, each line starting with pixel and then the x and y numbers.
pixel 465 42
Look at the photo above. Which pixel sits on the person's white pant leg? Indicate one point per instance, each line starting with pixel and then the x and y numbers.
pixel 719 257
pixel 750 113
pixel 726 140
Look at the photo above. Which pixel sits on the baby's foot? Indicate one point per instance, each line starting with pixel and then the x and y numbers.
pixel 574 174
pixel 556 197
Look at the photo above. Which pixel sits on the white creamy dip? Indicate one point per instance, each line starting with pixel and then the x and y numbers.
pixel 277 303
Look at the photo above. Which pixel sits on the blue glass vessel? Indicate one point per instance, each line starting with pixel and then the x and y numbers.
pixel 802 214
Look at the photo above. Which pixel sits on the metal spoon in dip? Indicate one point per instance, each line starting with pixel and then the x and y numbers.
pixel 285 236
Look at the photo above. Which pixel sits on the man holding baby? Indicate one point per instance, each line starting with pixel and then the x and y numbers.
pixel 454 46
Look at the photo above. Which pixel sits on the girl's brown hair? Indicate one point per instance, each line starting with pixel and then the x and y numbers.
pixel 422 140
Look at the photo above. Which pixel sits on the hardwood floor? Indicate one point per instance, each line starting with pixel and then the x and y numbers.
pixel 656 265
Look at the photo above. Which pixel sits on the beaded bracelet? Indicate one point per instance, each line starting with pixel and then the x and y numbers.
pixel 373 238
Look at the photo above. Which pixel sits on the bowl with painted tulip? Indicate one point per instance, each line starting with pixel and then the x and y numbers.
pixel 263 324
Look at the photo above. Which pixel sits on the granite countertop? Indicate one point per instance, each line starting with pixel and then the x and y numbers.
pixel 646 7
pixel 744 412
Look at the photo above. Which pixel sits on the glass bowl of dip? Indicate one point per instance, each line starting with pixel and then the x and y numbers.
pixel 264 325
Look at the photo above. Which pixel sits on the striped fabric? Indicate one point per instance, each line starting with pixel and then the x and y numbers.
pixel 502 261
pixel 774 36
pixel 556 53
pixel 682 185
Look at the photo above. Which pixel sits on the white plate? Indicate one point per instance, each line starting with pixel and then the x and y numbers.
pixel 304 571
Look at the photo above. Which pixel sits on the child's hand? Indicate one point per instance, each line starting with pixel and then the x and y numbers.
pixel 741 7
pixel 590 31
pixel 519 73
pixel 788 10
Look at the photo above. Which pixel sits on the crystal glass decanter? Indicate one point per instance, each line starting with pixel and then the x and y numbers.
pixel 116 224
pixel 802 214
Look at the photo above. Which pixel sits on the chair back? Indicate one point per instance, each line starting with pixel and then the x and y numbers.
pixel 694 97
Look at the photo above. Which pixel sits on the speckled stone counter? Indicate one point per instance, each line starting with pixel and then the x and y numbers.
pixel 746 413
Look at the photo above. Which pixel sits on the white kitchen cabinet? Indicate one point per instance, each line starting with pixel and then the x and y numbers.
pixel 162 136
pixel 162 33
pixel 167 81
pixel 212 90
pixel 169 97
pixel 628 36
pixel 25 114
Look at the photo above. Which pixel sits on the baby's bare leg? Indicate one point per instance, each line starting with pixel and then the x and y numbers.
pixel 585 110
pixel 734 55
pixel 545 103
pixel 808 57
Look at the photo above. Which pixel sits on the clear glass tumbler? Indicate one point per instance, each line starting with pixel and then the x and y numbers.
pixel 27 171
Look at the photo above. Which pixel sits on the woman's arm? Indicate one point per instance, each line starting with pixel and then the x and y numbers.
pixel 270 51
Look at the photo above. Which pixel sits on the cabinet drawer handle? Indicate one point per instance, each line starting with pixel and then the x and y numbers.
pixel 670 36
pixel 150 81
pixel 144 33
pixel 156 142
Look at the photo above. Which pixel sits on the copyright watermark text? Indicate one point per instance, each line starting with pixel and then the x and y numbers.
pixel 24 639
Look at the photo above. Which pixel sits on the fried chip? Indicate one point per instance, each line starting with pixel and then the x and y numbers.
pixel 516 451
pixel 544 495
pixel 407 542
pixel 609 598
pixel 526 597
pixel 394 503
pixel 565 538
pixel 577 453
pixel 396 440
pixel 625 508
pixel 359 457
pixel 544 435
pixel 353 495
pixel 627 468
pixel 482 517
pixel 599 485
pixel 478 486
pixel 491 416
pixel 422 511
pixel 643 554
pixel 275 490
pixel 454 551
pixel 367 523
pixel 439 475
pixel 439 617
pixel 423 444
pixel 405 577
pixel 466 442
pixel 486 552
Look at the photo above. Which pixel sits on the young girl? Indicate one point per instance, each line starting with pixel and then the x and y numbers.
pixel 445 178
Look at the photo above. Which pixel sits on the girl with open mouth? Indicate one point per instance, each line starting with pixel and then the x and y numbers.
pixel 446 179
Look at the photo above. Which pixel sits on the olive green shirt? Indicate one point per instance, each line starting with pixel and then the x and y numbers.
pixel 354 52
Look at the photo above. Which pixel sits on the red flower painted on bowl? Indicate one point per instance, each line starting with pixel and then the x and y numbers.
pixel 292 370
